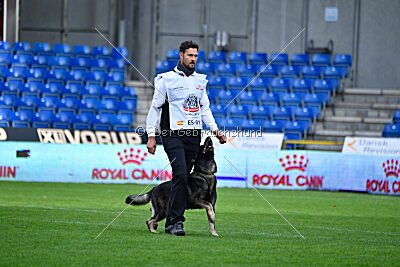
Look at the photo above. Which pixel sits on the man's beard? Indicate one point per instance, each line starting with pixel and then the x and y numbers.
pixel 188 67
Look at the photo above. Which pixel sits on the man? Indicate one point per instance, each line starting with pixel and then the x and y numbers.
pixel 180 105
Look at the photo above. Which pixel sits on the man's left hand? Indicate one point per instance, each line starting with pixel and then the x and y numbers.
pixel 221 137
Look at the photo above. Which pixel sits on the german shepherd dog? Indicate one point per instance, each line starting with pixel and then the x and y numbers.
pixel 202 193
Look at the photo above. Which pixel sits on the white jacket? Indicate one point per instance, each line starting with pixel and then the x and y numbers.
pixel 188 102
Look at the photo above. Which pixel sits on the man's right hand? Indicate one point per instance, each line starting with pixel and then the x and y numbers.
pixel 151 145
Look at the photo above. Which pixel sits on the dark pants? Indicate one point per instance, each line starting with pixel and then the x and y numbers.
pixel 181 150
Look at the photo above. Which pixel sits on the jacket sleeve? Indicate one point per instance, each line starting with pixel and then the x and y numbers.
pixel 206 114
pixel 159 98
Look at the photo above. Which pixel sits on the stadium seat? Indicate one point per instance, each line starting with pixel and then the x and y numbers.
pixel 236 57
pixel 76 75
pixel 37 73
pixel 5 112
pixel 102 127
pixel 268 71
pixel 21 60
pixel 73 89
pixel 41 124
pixel 55 87
pixel 225 97
pixel 8 100
pixel 42 49
pixel 247 97
pixel 262 112
pixel 391 130
pixel 290 99
pixel 60 62
pixel 237 111
pixel 218 110
pixel 301 85
pixel 105 118
pixel 61 125
pixel 98 76
pixel 303 113
pixel 101 52
pixel 233 124
pixel 65 115
pixel 332 72
pixel 250 125
pixel 81 126
pixel 123 119
pixel 344 71
pixel 5 47
pixel 311 72
pixel 91 90
pixel 29 100
pixel 317 99
pixel 49 101
pixel 120 53
pixel 14 85
pixel 216 82
pixel 5 59
pixel 22 115
pixel 111 90
pixel 61 49
pixel 217 57
pixel 268 98
pixel 173 55
pixel 81 63
pixel 201 57
pixel 258 58
pixel 99 64
pixel 276 58
pixel 70 102
pixel 321 60
pixel 164 66
pixel 116 65
pixel 17 72
pixel 279 85
pixel 226 69
pixel 246 70
pixel 342 60
pixel 282 113
pixel 297 127
pixel 237 83
pixel 20 124
pixel 127 103
pixel 44 115
pixel 289 71
pixel 90 103
pixel 396 116
pixel 22 48
pixel 34 86
pixel 86 116
pixel 128 92
pixel 205 68
pixel 300 59
pixel 272 126
pixel 108 103
pixel 260 84
pixel 41 60
pixel 81 51
pixel 323 86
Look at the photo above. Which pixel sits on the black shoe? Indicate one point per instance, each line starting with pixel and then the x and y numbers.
pixel 175 229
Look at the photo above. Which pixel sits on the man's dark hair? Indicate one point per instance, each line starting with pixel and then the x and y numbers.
pixel 188 44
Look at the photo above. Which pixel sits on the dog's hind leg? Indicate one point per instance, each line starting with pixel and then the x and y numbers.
pixel 152 223
pixel 210 214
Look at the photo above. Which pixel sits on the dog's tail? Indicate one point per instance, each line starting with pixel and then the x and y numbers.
pixel 138 199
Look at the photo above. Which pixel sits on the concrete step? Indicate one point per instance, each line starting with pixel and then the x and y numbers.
pixel 351 126
pixel 358 112
pixel 356 119
pixel 371 91
pixel 344 133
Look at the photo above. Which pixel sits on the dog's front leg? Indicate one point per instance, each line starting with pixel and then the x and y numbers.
pixel 211 216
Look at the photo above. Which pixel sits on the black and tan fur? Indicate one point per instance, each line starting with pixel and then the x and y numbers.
pixel 202 193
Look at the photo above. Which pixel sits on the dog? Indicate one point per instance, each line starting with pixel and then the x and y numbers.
pixel 202 193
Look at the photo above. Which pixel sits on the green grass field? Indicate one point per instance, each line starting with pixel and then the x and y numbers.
pixel 55 224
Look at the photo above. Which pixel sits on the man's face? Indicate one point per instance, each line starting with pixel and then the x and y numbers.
pixel 189 58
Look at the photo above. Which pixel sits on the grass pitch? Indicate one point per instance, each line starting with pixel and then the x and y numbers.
pixel 55 224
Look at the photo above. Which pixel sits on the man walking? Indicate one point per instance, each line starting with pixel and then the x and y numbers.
pixel 180 105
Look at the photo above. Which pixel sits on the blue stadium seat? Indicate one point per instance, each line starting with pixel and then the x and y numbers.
pixel 290 71
pixel 396 116
pixel 34 86
pixel 61 125
pixel 108 103
pixel 297 127
pixel 105 118
pixel 276 58
pixel 22 48
pixel 99 64
pixel 201 57
pixel 218 110
pixel 90 103
pixel 344 71
pixel 300 59
pixel 76 75
pixel 41 124
pixel 323 86
pixel 14 85
pixel 205 68
pixel 129 92
pixel 237 111
pixel 5 47
pixel 391 130
pixel 37 73
pixel 279 85
pixel 321 60
pixel 212 94
pixel 246 70
pixel 237 83
pixel 282 113
pixel 60 62
pixel 22 60
pixel 268 98
pixel 260 84
pixel 22 115
pixel 49 101
pixel 248 97
pixel 233 124
pixel 70 102
pixel 164 66
pixel 81 126
pixel 127 103
pixel 268 71
pixel 120 53
pixel 8 100
pixel 5 112
pixel 61 49
pixel 81 63
pixel 250 125
pixel 342 60
pixel 29 100
pixel 57 75
pixel 111 90
pixel 42 49
pixel 121 128
pixel 301 85
pixel 86 116
pixel 65 115
pixel 44 115
pixel 20 124
pixel 91 90
pixel 332 72
pixel 116 77
pixel 258 58
pixel 225 97
pixel 291 136
pixel 73 89
pixel 116 65
pixel 226 69
pixel 263 112
pixel 290 99
pixel 5 59
pixel 217 57
pixel 216 82
pixel 317 99
pixel 311 72
pixel 173 55
pixel 41 60
pixel 55 87
pixel 303 113
pixel 99 76
pixel 17 72
pixel 101 52
pixel 236 57
pixel 102 127
pixel 81 51
pixel 123 118
pixel 272 126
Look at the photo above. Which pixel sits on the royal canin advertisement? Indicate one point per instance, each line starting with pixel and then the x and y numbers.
pixel 265 169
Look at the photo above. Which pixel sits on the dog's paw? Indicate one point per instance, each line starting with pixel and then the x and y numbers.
pixel 214 234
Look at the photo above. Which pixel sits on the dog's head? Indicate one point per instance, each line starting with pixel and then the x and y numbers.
pixel 204 161
pixel 207 147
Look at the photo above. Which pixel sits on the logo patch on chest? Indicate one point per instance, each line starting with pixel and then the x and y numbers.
pixel 191 103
